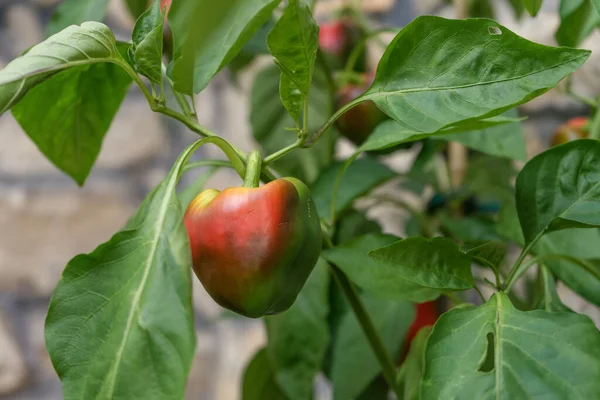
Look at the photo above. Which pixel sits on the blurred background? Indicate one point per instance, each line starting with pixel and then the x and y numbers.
pixel 45 219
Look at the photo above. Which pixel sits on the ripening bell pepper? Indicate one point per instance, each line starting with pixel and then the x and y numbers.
pixel 575 128
pixel 253 248
pixel 358 123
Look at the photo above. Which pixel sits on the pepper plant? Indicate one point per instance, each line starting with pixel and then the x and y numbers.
pixel 337 293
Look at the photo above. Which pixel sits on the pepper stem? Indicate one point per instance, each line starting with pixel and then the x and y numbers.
pixel 253 168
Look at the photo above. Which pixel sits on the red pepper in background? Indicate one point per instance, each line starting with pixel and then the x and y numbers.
pixel 575 128
pixel 253 248
pixel 360 121
pixel 337 39
pixel 426 315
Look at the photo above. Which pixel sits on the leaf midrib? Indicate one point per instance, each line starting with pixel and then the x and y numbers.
pixel 439 89
pixel 148 266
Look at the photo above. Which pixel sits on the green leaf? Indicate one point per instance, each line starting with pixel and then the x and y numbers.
pixel 492 252
pixel 299 337
pixel 411 371
pixel 269 121
pixel 377 279
pixel 70 133
pixel 79 72
pixel 491 179
pixel 578 19
pixel 504 140
pixel 596 4
pixel 207 35
pixel 550 300
pixel 362 176
pixel 495 351
pixel 259 379
pixel 434 263
pixel 75 12
pixel 437 72
pixel 533 6
pixel 120 323
pixel 354 364
pixel 136 7
pixel 147 47
pixel 560 189
pixel 470 229
pixel 354 223
pixel 580 244
pixel 90 43
pixel 390 133
pixel 293 42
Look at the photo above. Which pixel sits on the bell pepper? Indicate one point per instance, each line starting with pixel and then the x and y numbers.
pixel 360 121
pixel 574 129
pixel 252 247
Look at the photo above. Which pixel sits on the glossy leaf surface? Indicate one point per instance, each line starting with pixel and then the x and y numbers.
pixel 560 189
pixel 495 351
pixel 377 279
pixel 437 72
pixel 434 263
pixel 120 323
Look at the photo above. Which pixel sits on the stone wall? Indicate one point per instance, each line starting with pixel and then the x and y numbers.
pixel 45 219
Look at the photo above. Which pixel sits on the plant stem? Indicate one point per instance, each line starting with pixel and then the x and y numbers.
pixel 207 163
pixel 253 168
pixel 280 153
pixel 479 293
pixel 366 323
pixel 332 119
pixel 513 272
pixel 356 51
pixel 385 361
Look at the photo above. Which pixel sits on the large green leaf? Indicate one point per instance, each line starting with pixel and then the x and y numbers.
pixel 269 121
pixel 120 323
pixel 299 337
pixel 147 47
pixel 560 189
pixel 259 379
pixel 208 34
pixel 90 43
pixel 578 18
pixel 70 133
pixel 390 133
pixel 438 72
pixel 293 42
pixel 78 71
pixel 434 263
pixel 504 140
pixel 376 279
pixel 495 351
pixel 75 12
pixel 360 177
pixel 354 363
pixel 582 244
pixel 533 6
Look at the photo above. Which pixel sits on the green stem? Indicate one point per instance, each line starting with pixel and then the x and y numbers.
pixel 332 119
pixel 364 319
pixel 207 163
pixel 253 169
pixel 366 323
pixel 479 293
pixel 512 276
pixel 280 153
pixel 359 48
